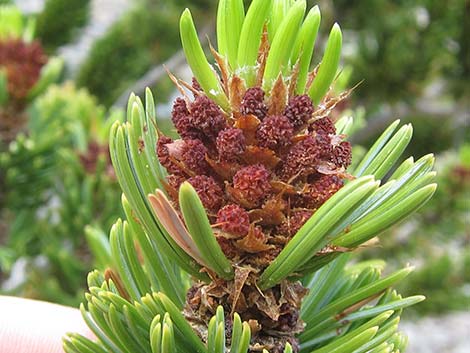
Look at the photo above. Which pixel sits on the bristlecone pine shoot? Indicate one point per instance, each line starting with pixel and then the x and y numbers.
pixel 238 234
pixel 25 70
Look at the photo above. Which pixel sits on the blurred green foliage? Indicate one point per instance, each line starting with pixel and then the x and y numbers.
pixel 68 113
pixel 62 118
pixel 402 45
pixel 145 36
pixel 78 186
pixel 439 134
pixel 28 167
pixel 445 281
pixel 59 21
pixel 25 164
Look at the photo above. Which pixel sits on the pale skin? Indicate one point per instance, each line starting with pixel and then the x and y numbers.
pixel 30 326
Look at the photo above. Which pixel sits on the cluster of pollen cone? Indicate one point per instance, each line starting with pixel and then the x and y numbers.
pixel 261 171
pixel 21 63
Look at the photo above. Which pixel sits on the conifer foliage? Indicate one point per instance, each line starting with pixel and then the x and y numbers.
pixel 238 234
pixel 25 70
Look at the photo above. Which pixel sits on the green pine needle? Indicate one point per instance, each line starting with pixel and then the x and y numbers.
pixel 200 67
pixel 198 225
pixel 328 67
pixel 282 44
